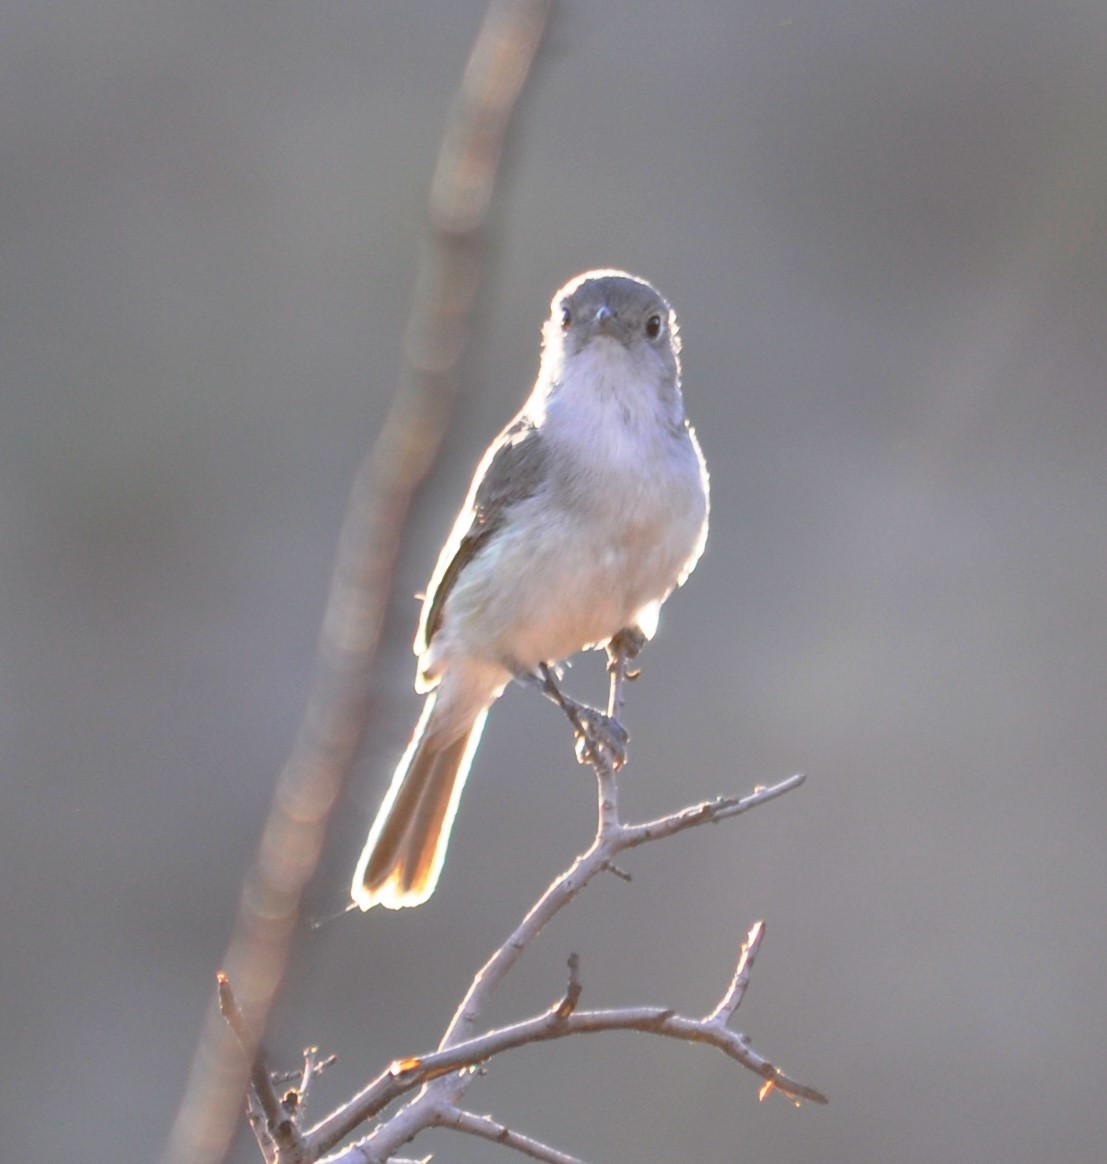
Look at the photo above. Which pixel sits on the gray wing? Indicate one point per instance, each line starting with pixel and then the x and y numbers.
pixel 514 471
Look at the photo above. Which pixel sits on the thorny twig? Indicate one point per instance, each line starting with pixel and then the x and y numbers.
pixel 489 1129
pixel 275 1128
pixel 443 1077
pixel 438 1081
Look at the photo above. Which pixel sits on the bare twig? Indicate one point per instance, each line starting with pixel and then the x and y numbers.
pixel 463 1048
pixel 722 808
pixel 313 1066
pixel 732 1000
pixel 427 1108
pixel 412 1073
pixel 612 838
pixel 341 690
pixel 445 1075
pixel 489 1129
pixel 236 1020
pixel 277 1133
pixel 408 1074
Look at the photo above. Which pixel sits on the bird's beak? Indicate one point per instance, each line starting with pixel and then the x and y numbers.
pixel 604 321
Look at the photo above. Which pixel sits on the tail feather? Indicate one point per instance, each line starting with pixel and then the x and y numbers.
pixel 403 856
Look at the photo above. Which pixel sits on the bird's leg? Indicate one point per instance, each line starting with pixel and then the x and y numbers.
pixel 595 731
pixel 623 647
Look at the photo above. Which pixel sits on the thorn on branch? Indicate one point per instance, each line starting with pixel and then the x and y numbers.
pixel 312 1067
pixel 622 874
pixel 572 992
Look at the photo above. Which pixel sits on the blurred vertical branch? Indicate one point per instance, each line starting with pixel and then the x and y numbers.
pixel 340 696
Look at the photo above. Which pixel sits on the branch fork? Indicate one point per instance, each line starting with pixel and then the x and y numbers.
pixel 435 1084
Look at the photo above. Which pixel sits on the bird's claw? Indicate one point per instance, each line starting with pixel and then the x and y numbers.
pixel 600 738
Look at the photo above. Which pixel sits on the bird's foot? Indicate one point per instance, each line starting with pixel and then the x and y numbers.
pixel 600 738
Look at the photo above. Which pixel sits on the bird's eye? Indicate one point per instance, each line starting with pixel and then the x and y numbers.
pixel 653 326
pixel 566 318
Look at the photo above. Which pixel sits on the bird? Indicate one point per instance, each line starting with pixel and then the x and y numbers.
pixel 582 517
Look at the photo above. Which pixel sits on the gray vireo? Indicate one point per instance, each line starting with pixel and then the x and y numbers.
pixel 582 517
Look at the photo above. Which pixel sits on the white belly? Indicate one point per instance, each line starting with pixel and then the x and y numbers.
pixel 550 583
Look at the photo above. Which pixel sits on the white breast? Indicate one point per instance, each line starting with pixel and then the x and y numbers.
pixel 619 523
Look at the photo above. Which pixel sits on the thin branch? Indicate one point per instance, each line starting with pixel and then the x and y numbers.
pixel 447 1067
pixel 710 811
pixel 461 1047
pixel 412 1073
pixel 732 999
pixel 277 1134
pixel 341 690
pixel 407 1075
pixel 261 1079
pixel 612 838
pixel 489 1129
pixel 382 1143
pixel 313 1066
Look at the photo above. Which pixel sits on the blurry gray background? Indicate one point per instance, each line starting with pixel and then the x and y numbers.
pixel 883 226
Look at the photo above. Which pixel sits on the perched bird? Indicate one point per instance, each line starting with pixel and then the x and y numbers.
pixel 582 517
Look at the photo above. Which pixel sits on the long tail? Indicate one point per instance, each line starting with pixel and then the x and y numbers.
pixel 403 856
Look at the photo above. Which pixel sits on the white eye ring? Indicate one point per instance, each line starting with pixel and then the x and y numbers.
pixel 566 317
